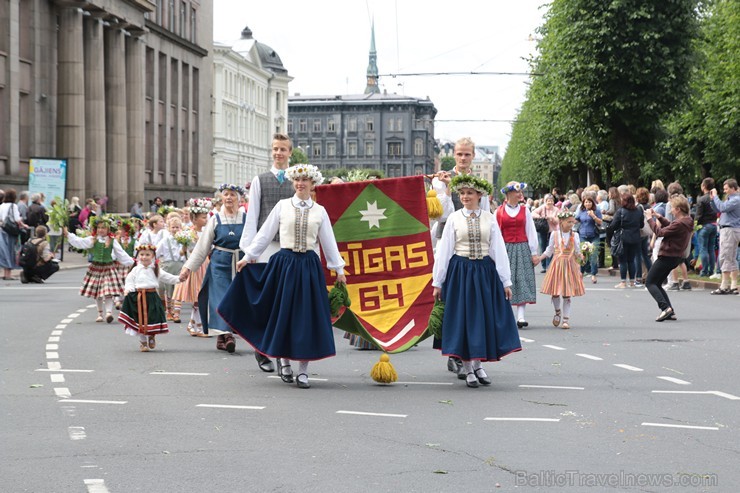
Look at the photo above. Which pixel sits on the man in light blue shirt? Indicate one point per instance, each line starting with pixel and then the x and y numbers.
pixel 729 235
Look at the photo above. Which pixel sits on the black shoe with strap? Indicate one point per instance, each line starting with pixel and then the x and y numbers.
pixel 264 363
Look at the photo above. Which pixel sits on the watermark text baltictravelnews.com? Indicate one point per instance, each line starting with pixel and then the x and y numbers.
pixel 613 480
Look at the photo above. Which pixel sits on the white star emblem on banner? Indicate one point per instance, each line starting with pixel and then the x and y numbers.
pixel 373 215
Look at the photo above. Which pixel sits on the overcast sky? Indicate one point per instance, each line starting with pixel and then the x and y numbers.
pixel 324 45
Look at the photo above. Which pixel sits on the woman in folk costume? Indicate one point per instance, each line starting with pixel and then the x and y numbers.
pixel 142 313
pixel 126 236
pixel 563 278
pixel 171 258
pixel 103 280
pixel 187 292
pixel 282 308
pixel 520 236
pixel 471 275
pixel 219 242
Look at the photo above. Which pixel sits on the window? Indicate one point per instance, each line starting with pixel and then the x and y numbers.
pixel 193 25
pixel 278 101
pixel 418 147
pixel 394 149
pixel 331 149
pixel 302 126
pixel 171 10
pixel 369 125
pixel 290 127
pixel 399 124
pixel 158 20
pixel 369 149
pixel 352 149
pixel 317 125
pixel 391 124
pixel 352 127
pixel 183 17
pixel 316 148
pixel 330 126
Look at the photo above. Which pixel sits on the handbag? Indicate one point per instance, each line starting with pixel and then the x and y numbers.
pixel 9 225
pixel 540 224
pixel 616 244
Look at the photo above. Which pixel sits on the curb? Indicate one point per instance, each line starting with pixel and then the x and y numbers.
pixel 694 283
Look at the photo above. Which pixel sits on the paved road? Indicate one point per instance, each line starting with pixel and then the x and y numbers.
pixel 618 403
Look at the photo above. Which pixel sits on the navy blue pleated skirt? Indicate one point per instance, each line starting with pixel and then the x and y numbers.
pixel 478 323
pixel 281 308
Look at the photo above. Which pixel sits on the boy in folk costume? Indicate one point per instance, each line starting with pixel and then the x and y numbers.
pixel 188 291
pixel 142 313
pixel 154 232
pixel 564 274
pixel 171 257
pixel 103 279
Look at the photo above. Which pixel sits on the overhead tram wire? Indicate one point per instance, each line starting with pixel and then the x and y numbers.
pixel 475 120
pixel 426 74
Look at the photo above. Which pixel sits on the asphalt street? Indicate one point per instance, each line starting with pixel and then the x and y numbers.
pixel 617 403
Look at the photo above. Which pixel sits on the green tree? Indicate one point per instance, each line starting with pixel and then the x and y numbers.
pixel 446 163
pixel 298 157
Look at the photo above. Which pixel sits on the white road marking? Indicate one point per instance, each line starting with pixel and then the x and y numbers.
pixel 705 392
pixel 62 392
pixel 550 387
pixel 70 411
pixel 382 415
pixel 57 378
pixel 589 356
pixel 524 339
pixel 96 486
pixel 546 420
pixel 73 315
pixel 179 373
pixel 52 347
pixel 675 380
pixel 83 310
pixel 225 406
pixel 58 367
pixel 53 366
pixel 312 378
pixel 90 466
pixel 38 288
pixel 664 425
pixel 726 396
pixel 56 332
pixel 52 355
pixel 628 367
pixel 65 321
pixel 424 383
pixel 88 401
pixel 76 432
pixel 53 339
pixel 91 306
pixel 557 348
pixel 61 326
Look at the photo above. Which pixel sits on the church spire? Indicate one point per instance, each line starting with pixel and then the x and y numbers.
pixel 372 67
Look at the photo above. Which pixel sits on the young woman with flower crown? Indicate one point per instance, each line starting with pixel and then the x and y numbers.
pixel 103 279
pixel 142 313
pixel 471 275
pixel 281 308
pixel 563 278
pixel 187 292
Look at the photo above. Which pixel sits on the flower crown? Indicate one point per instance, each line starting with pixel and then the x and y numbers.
pixel 304 171
pixel 200 206
pixel 233 188
pixel 166 209
pixel 106 219
pixel 146 246
pixel 470 181
pixel 514 187
pixel 564 215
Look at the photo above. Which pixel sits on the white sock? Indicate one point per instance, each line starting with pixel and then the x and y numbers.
pixel 566 307
pixel 109 304
pixel 143 338
pixel 556 303
pixel 520 312
pixel 468 369
pixel 478 370
pixel 303 368
pixel 286 362
pixel 99 303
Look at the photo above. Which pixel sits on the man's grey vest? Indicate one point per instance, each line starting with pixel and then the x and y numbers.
pixel 455 203
pixel 271 192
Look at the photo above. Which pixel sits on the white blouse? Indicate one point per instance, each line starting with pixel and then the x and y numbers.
pixel 149 237
pixel 532 238
pixel 6 209
pixel 550 250
pixel 87 243
pixel 446 249
pixel 324 235
pixel 205 241
pixel 446 199
pixel 169 250
pixel 142 277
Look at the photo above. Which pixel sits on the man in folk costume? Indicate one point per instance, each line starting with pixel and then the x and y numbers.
pixel 522 247
pixel 266 190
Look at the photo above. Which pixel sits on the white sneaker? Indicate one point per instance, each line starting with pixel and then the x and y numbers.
pixel 715 276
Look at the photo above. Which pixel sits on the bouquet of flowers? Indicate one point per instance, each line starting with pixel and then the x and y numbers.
pixel 186 237
pixel 587 248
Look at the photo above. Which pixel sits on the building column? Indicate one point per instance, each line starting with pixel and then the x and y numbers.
pixel 135 96
pixel 11 90
pixel 71 99
pixel 95 168
pixel 115 120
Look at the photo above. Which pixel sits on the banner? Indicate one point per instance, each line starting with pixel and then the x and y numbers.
pixel 47 176
pixel 382 230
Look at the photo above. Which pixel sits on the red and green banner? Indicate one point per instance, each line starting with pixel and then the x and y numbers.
pixel 382 230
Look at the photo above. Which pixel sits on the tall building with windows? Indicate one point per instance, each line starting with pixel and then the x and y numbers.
pixel 121 88
pixel 389 132
pixel 250 104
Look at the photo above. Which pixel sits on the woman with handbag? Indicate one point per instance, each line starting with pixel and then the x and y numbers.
pixel 546 222
pixel 625 229
pixel 12 223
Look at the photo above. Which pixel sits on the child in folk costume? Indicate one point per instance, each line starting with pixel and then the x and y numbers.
pixel 171 257
pixel 187 291
pixel 471 275
pixel 126 236
pixel 142 313
pixel 154 232
pixel 103 279
pixel 281 308
pixel 563 278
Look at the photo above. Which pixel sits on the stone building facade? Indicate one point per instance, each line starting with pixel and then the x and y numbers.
pixel 121 88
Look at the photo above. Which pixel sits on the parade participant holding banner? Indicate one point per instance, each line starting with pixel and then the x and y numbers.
pixel 471 275
pixel 520 236
pixel 282 308
pixel 219 242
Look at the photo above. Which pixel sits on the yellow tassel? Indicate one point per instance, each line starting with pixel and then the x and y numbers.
pixel 434 206
pixel 383 371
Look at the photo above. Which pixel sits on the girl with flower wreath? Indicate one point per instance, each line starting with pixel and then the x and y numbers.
pixel 103 280
pixel 171 258
pixel 563 278
pixel 126 235
pixel 187 292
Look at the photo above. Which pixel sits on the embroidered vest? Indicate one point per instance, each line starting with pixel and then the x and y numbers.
pixel 299 229
pixel 101 254
pixel 472 236
pixel 271 192
pixel 513 229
